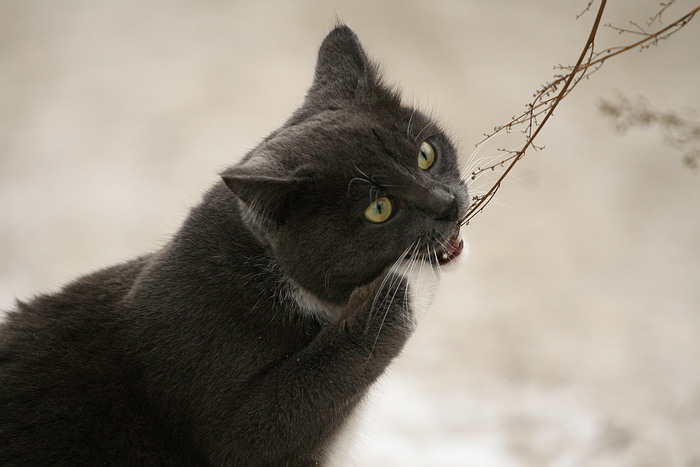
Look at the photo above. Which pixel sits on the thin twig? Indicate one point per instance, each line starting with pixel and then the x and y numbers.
pixel 585 10
pixel 657 16
pixel 478 206
pixel 599 59
pixel 544 101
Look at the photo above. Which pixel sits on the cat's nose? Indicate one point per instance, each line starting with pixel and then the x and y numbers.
pixel 445 206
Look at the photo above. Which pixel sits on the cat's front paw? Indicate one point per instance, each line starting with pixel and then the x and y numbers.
pixel 360 298
pixel 382 304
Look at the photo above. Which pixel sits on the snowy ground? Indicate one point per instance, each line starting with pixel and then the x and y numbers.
pixel 570 336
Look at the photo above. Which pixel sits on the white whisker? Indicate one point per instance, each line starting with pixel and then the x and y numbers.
pixel 483 143
pixel 410 121
pixel 390 272
pixel 479 163
pixel 470 165
pixel 395 280
pixel 421 132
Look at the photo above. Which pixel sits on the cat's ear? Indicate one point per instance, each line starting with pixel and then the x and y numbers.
pixel 342 67
pixel 268 194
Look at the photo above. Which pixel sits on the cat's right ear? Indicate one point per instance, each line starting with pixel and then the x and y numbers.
pixel 268 195
pixel 342 68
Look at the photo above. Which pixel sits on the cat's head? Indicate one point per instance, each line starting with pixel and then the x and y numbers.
pixel 353 181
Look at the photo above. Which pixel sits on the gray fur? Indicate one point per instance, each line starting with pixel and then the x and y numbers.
pixel 252 335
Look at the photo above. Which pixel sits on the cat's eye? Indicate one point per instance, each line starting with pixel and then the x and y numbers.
pixel 379 210
pixel 426 155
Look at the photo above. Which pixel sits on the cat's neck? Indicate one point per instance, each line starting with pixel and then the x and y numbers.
pixel 309 304
pixel 215 259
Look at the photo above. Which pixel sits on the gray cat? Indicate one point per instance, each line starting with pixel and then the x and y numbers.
pixel 252 335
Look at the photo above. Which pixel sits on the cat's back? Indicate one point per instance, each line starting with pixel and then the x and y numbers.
pixel 64 371
pixel 79 313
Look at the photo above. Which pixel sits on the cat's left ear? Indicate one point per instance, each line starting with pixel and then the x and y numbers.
pixel 266 193
pixel 342 68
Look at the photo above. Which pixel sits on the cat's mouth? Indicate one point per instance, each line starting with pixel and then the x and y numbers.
pixel 439 250
pixel 450 250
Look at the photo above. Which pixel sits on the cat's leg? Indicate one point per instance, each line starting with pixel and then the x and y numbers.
pixel 297 406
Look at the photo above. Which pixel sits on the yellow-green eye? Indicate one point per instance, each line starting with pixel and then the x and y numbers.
pixel 426 155
pixel 379 210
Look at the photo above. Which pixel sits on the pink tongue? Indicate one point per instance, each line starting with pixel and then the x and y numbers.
pixel 453 250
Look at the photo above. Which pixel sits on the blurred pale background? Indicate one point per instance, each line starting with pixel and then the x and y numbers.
pixel 570 337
